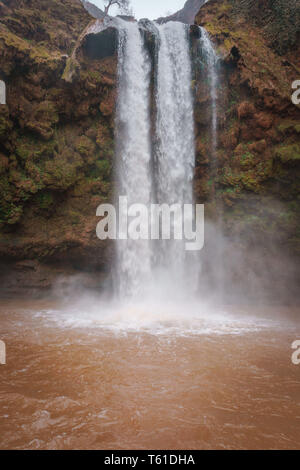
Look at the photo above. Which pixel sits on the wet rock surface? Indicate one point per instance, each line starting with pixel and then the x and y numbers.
pixel 57 132
pixel 253 183
pixel 56 138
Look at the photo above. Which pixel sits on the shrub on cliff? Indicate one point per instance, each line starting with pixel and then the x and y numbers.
pixel 279 18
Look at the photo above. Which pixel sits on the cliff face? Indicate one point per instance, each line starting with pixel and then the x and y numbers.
pixel 56 133
pixel 56 137
pixel 93 10
pixel 53 25
pixel 253 185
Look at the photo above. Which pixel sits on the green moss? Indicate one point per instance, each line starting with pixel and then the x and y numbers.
pixel 23 151
pixel 288 153
pixel 70 70
pixel 35 52
pixel 92 75
pixel 10 213
pixel 225 8
pixel 5 124
pixel 45 200
pixel 215 29
pixel 229 178
pixel 104 141
pixel 103 168
pixel 264 169
pixel 46 111
pixel 85 146
pixel 74 217
pixel 250 181
pixel 289 125
pixel 30 148
pixel 63 171
pixel 247 160
pixel 278 19
pixel 228 43
pixel 249 178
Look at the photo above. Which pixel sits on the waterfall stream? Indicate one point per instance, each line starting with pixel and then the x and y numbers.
pixel 139 261
pixel 133 147
pixel 175 152
pixel 211 59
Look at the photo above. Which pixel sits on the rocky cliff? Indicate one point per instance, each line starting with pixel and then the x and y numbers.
pixel 253 184
pixel 94 11
pixel 56 134
pixel 56 139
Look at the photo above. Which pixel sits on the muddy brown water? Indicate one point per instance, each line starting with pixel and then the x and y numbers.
pixel 72 385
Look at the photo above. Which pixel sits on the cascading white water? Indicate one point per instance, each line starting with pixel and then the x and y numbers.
pixel 175 150
pixel 211 59
pixel 142 265
pixel 133 152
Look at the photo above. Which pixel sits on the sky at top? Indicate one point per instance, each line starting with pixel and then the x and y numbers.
pixel 151 9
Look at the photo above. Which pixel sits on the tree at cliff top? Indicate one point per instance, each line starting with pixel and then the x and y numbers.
pixel 124 6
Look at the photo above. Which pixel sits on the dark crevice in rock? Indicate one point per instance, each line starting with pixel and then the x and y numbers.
pixel 101 45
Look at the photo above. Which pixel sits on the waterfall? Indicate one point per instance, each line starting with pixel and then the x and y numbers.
pixel 212 60
pixel 141 264
pixel 133 151
pixel 175 149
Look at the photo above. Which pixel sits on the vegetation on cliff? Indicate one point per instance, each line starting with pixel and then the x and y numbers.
pixel 56 138
pixel 255 179
pixel 278 20
pixel 56 132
